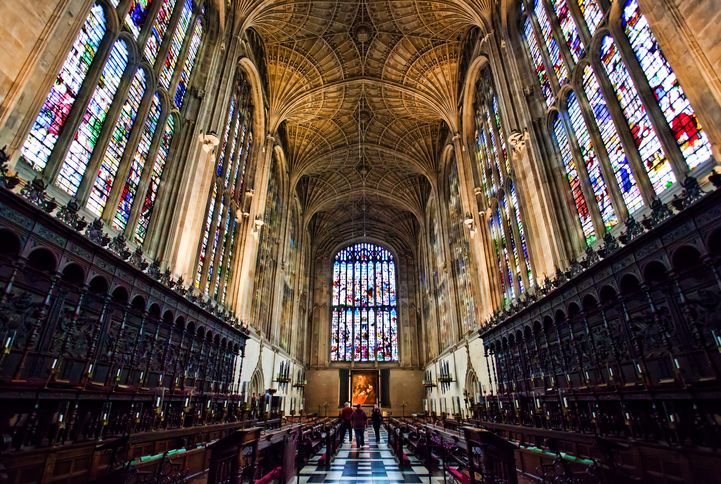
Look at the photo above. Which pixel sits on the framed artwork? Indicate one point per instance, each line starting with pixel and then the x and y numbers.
pixel 364 387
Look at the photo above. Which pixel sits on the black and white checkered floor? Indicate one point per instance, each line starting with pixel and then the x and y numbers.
pixel 374 463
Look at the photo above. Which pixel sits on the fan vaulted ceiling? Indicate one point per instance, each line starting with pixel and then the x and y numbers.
pixel 363 87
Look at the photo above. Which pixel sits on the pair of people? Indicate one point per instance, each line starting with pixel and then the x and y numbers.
pixel 358 420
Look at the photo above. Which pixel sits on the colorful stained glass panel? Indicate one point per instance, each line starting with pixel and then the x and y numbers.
pixel 189 63
pixel 657 165
pixel 574 182
pixel 619 162
pixel 55 110
pixel 160 26
pixel 127 195
pixel 554 52
pixel 86 137
pixel 161 158
pixel 538 64
pixel 116 147
pixel 592 163
pixel 362 328
pixel 137 15
pixel 691 139
pixel 176 44
pixel 569 29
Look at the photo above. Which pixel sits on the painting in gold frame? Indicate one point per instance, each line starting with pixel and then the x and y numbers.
pixel 364 387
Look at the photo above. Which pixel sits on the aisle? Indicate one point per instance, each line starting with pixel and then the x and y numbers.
pixel 375 463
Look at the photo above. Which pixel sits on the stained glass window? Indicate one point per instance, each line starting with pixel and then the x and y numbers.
pixel 55 110
pixel 554 53
pixel 654 158
pixel 672 100
pixel 218 239
pixel 127 195
pixel 591 162
pixel 268 247
pixel 118 142
pixel 136 16
pixel 125 121
pixel 160 25
pixel 189 63
pixel 538 64
pixel 460 250
pixel 574 182
pixel 176 44
pixel 160 159
pixel 505 222
pixel 568 27
pixel 364 323
pixel 82 146
pixel 616 154
pixel 592 14
pixel 627 135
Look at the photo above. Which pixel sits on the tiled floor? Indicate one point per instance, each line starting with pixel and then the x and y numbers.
pixel 375 463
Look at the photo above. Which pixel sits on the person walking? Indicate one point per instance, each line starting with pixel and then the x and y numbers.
pixel 377 420
pixel 346 415
pixel 360 420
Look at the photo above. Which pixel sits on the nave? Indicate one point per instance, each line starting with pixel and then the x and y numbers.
pixel 221 220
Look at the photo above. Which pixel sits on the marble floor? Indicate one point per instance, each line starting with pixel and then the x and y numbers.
pixel 373 463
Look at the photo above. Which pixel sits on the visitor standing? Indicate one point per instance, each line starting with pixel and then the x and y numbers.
pixel 360 420
pixel 377 420
pixel 346 415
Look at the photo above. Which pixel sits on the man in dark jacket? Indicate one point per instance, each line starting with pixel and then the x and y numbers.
pixel 377 420
pixel 346 415
pixel 360 420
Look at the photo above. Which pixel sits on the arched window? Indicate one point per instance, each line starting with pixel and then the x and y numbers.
pixel 505 224
pixel 292 259
pixel 439 279
pixel 217 244
pixel 364 323
pixel 268 248
pixel 613 137
pixel 107 118
pixel 460 250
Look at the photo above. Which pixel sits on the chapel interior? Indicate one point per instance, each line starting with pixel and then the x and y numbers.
pixel 498 220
